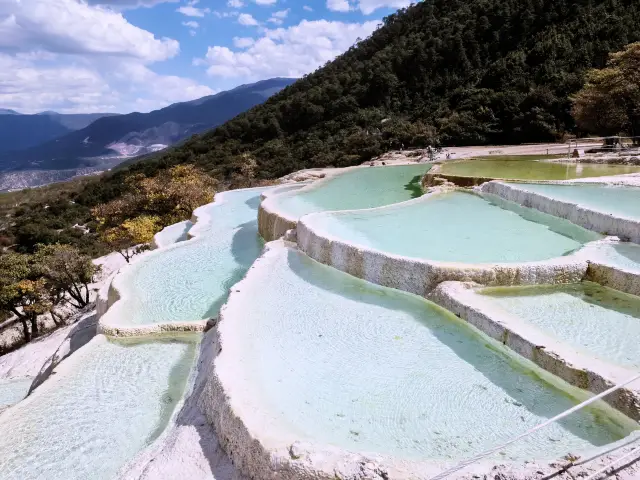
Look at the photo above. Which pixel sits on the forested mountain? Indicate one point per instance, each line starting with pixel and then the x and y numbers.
pixel 453 72
pixel 456 72
pixel 18 131
pixel 133 133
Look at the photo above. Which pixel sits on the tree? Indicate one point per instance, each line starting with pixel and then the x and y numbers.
pixel 22 292
pixel 132 236
pixel 151 203
pixel 66 271
pixel 609 102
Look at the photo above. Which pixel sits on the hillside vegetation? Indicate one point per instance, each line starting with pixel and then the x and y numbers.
pixel 456 72
pixel 448 72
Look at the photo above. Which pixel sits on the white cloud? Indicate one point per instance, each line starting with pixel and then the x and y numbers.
pixel 365 6
pixel 289 52
pixel 225 14
pixel 193 25
pixel 191 11
pixel 265 2
pixel 72 27
pixel 278 17
pixel 338 5
pixel 369 6
pixel 235 3
pixel 71 56
pixel 247 20
pixel 29 89
pixel 243 42
pixel 127 4
pixel 307 8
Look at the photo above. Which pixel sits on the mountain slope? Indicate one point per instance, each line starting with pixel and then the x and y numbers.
pixel 448 71
pixel 131 134
pixel 18 131
pixel 76 121
pixel 457 72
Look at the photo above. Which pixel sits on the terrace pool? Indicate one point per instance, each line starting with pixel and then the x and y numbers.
pixel 190 281
pixel 592 318
pixel 456 227
pixel 364 187
pixel 616 200
pixel 529 169
pixel 315 355
pixel 108 402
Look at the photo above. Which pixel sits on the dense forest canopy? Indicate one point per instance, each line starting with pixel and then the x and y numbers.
pixel 448 72
pixel 456 72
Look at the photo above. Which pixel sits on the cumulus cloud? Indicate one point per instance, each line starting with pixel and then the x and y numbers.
pixel 243 42
pixel 278 17
pixel 338 5
pixel 288 52
pixel 72 56
pixel 126 4
pixel 73 27
pixel 190 10
pixel 235 3
pixel 247 20
pixel 225 14
pixel 369 6
pixel 365 6
pixel 266 2
pixel 29 88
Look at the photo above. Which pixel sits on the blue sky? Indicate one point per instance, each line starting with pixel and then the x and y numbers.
pixel 139 55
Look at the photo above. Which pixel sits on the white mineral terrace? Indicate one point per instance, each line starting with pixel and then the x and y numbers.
pixel 350 188
pixel 321 375
pixel 179 287
pixel 501 314
pixel 608 209
pixel 588 345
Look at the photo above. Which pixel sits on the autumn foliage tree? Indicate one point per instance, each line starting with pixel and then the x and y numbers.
pixel 128 223
pixel 67 272
pixel 133 236
pixel 22 292
pixel 32 285
pixel 609 103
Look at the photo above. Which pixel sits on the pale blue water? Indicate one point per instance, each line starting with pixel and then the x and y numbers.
pixel 14 390
pixel 336 360
pixel 622 255
pixel 89 422
pixel 456 227
pixel 191 280
pixel 594 319
pixel 621 201
pixel 365 187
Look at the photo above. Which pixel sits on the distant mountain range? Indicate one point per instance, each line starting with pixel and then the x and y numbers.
pixel 18 131
pixel 34 148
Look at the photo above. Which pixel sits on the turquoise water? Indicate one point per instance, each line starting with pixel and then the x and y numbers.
pixel 365 187
pixel 592 318
pixel 622 255
pixel 190 281
pixel 88 422
pixel 12 391
pixel 456 227
pixel 173 234
pixel 336 360
pixel 616 200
